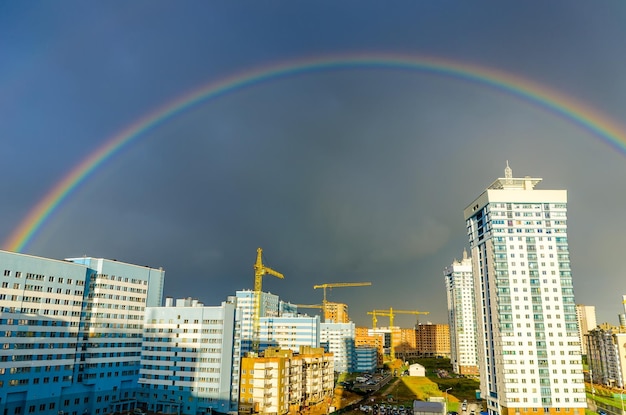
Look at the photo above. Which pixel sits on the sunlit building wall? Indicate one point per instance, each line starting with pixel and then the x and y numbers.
pixel 433 340
pixel 406 344
pixel 586 316
pixel 459 283
pixel 272 382
pixel 318 381
pixel 528 340
pixel 336 313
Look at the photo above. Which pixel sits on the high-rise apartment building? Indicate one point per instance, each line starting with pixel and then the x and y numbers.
pixel 188 358
pixel 528 341
pixel 71 333
pixel 586 316
pixel 459 282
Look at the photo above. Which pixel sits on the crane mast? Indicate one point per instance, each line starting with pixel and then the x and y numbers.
pixel 259 271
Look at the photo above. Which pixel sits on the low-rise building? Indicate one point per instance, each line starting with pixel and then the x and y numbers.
pixel 279 381
pixel 607 354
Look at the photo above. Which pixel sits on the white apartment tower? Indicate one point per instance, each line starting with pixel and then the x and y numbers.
pixel 528 341
pixel 462 316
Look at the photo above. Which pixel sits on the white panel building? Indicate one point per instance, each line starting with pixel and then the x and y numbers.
pixel 289 332
pixel 529 345
pixel 459 282
pixel 187 363
pixel 340 340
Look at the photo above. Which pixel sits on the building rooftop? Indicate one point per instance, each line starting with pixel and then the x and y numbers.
pixel 509 182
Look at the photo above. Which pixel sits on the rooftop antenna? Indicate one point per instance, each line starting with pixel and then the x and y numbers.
pixel 508 174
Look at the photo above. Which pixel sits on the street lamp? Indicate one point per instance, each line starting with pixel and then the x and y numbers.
pixel 446 398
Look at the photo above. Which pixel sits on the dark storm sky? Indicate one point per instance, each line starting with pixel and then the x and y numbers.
pixel 339 175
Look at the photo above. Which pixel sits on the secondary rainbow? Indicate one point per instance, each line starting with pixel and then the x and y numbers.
pixel 559 104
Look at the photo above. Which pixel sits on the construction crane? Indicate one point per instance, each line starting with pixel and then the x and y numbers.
pixel 391 313
pixel 259 271
pixel 337 285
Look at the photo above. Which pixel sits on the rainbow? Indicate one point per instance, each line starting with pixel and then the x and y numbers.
pixel 561 105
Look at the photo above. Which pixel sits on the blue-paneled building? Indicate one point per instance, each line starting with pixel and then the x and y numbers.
pixel 71 333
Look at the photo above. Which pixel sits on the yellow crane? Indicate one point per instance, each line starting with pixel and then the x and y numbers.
pixel 337 285
pixel 391 313
pixel 259 271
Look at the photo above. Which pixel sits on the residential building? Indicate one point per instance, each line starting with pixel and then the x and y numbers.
pixel 318 381
pixel 528 340
pixel 289 332
pixel 271 383
pixel 364 337
pixel 338 339
pixel 187 361
pixel 336 313
pixel 72 333
pixel 365 359
pixel 459 282
pixel 586 317
pixel 606 346
pixel 406 344
pixel 433 340
pixel 245 301
pixel 280 381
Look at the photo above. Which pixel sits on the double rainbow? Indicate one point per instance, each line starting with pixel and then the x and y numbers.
pixel 559 104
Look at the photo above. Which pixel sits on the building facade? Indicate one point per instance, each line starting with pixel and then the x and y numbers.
pixel 459 283
pixel 279 381
pixel 338 339
pixel 269 305
pixel 607 355
pixel 289 332
pixel 365 359
pixel 364 337
pixel 528 340
pixel 71 333
pixel 271 383
pixel 433 340
pixel 336 313
pixel 187 363
pixel 586 316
